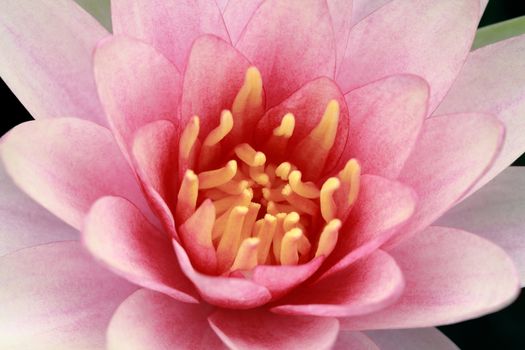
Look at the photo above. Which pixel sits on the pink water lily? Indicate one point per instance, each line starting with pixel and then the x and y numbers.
pixel 257 174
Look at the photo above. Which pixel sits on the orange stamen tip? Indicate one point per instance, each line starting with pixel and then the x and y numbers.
pixel 328 238
pixel 304 189
pixel 289 247
pixel 218 177
pixel 287 126
pixel 225 126
pixel 327 203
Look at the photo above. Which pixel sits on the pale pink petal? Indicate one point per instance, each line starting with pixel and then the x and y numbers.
pixel 341 15
pixel 170 26
pixel 363 8
pixel 24 222
pixel 497 213
pixel 452 152
pixel 385 120
pixel 308 105
pixel 222 4
pixel 347 340
pixel 411 339
pixel 237 14
pixel 55 296
pixel 117 234
pixel 290 42
pixel 408 36
pixel 227 292
pixel 382 207
pixel 492 82
pixel 451 276
pixel 66 164
pixel 281 279
pixel 260 329
pixel 47 57
pixel 367 285
pixel 150 320
pixel 214 75
pixel 136 84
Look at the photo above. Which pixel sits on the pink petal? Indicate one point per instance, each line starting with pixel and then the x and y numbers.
pixel 385 120
pixel 492 82
pixel 409 36
pixel 237 14
pixel 214 75
pixel 341 15
pixel 308 105
pixel 232 293
pixel 290 42
pixel 452 152
pixel 368 285
pixel 354 340
pixel 136 84
pixel 363 8
pixel 116 233
pixel 382 207
pixel 170 26
pixel 24 222
pixel 411 339
pixel 62 167
pixel 55 296
pixel 47 57
pixel 451 276
pixel 149 320
pixel 496 212
pixel 281 279
pixel 259 329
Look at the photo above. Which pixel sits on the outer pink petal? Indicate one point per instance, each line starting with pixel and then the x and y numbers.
pixel 492 82
pixel 385 120
pixel 55 296
pixel 382 207
pixel 341 15
pixel 47 57
pixel 354 340
pixel 308 105
pixel 237 14
pixel 116 233
pixel 149 320
pixel 24 222
pixel 497 213
pixel 411 36
pixel 452 152
pixel 136 84
pixel 411 339
pixel 67 165
pixel 260 329
pixel 291 42
pixel 214 75
pixel 451 276
pixel 170 26
pixel 227 292
pixel 366 286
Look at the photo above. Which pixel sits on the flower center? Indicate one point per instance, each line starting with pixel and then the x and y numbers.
pixel 264 212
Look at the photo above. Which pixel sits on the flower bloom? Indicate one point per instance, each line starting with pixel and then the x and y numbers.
pixel 257 174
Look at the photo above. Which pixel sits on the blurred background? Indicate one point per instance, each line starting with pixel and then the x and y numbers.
pixel 504 330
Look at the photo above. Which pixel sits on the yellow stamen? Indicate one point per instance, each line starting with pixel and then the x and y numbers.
pixel 351 175
pixel 246 258
pixel 247 154
pixel 274 208
pixel 230 240
pixel 328 206
pixel 287 126
pixel 304 189
pixel 289 249
pixel 265 234
pixel 189 137
pixel 283 170
pixel 249 220
pixel 225 126
pixel 258 175
pixel 302 204
pixel 278 236
pixel 248 104
pixel 291 220
pixel 303 245
pixel 234 187
pixel 222 205
pixel 187 197
pixel 218 177
pixel 328 238
pixel 273 194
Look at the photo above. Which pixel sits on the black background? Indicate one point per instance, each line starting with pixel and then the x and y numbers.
pixel 502 330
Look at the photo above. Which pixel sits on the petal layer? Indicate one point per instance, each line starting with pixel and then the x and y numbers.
pixel 492 82
pixel 404 36
pixel 55 296
pixel 451 276
pixel 62 168
pixel 355 341
pixel 260 329
pixel 411 339
pixel 47 58
pixel 496 213
pixel 116 233
pixel 150 320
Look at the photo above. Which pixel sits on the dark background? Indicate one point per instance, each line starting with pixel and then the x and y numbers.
pixel 504 330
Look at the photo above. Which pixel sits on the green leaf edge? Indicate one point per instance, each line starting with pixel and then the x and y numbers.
pixel 100 9
pixel 499 31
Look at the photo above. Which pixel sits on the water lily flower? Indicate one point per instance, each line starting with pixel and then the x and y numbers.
pixel 257 174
